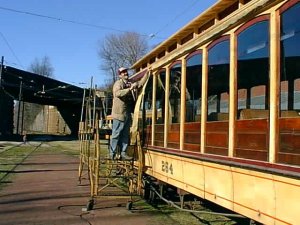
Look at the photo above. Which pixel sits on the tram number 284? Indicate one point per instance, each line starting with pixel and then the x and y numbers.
pixel 166 167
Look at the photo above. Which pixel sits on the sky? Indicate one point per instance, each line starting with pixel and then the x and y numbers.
pixel 70 32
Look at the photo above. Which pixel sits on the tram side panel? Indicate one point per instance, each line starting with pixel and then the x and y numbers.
pixel 262 196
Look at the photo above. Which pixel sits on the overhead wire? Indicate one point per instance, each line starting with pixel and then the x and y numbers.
pixel 175 18
pixel 150 36
pixel 70 21
pixel 11 49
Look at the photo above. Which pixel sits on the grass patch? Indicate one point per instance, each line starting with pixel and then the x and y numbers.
pixel 10 159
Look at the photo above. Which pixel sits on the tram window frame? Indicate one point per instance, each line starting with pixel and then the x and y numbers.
pixel 218 81
pixel 193 86
pixel 175 92
pixel 145 113
pixel 289 130
pixel 253 85
pixel 160 97
pixel 146 106
pixel 290 69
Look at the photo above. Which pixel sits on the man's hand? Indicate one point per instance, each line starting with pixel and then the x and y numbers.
pixel 134 86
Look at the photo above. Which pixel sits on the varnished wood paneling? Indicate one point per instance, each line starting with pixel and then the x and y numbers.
pixel 252 125
pixel 251 154
pixel 216 151
pixel 192 127
pixel 175 127
pixel 252 141
pixel 290 142
pixel 289 124
pixel 217 126
pixel 159 143
pixel 173 145
pixel 217 139
pixel 192 147
pixel 173 136
pixel 288 158
pixel 192 137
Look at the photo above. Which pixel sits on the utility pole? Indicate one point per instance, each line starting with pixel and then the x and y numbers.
pixel 19 106
pixel 1 68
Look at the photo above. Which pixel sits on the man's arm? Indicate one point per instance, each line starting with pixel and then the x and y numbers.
pixel 118 91
pixel 138 84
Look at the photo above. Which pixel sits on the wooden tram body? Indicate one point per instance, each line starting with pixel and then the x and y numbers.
pixel 231 134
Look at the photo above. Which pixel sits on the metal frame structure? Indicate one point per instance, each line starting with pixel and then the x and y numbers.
pixel 107 177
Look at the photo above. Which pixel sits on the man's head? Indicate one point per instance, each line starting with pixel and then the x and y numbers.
pixel 123 73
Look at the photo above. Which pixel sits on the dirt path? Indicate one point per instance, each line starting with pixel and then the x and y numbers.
pixel 44 190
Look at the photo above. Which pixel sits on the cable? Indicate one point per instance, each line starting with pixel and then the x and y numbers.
pixel 71 21
pixel 175 18
pixel 10 48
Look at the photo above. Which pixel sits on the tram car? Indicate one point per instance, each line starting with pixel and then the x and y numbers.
pixel 220 115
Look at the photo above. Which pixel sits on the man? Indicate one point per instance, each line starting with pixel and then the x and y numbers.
pixel 121 112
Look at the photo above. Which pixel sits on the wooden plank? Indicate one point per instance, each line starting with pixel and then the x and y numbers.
pixel 167 91
pixel 217 140
pixel 182 103
pixel 173 145
pixel 216 151
pixel 173 137
pixel 154 86
pixel 232 94
pixel 288 158
pixel 289 124
pixel 252 141
pixel 191 147
pixel 194 126
pixel 204 98
pixel 192 137
pixel 257 125
pixel 158 143
pixel 251 154
pixel 290 142
pixel 274 85
pixel 175 127
pixel 217 126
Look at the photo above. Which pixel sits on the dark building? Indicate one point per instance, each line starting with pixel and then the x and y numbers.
pixel 6 114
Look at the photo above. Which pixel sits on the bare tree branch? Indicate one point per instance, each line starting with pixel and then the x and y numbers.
pixel 121 51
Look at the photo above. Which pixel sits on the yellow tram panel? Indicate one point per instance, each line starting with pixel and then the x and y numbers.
pixel 287 199
pixel 254 194
pixel 218 184
pixel 262 196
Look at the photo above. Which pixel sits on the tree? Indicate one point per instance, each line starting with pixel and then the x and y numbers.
pixel 121 50
pixel 42 67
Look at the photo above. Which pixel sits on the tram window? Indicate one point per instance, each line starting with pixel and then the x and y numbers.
pixel 253 66
pixel 146 106
pixel 290 60
pixel 193 87
pixel 174 96
pixel 218 81
pixel 160 97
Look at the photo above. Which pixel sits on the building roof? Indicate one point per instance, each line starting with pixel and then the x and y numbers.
pixel 35 88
